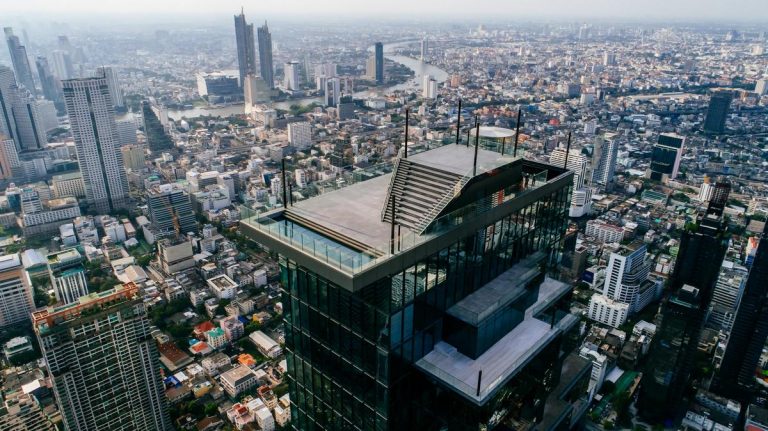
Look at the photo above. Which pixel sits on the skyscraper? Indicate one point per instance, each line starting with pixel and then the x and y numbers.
pixel 750 329
pixel 48 82
pixel 666 156
pixel 62 64
pixel 20 60
pixel 103 362
pixel 671 358
pixel 246 49
pixel 92 118
pixel 115 92
pixel 265 55
pixel 424 48
pixel 30 131
pixel 604 155
pixel 9 158
pixel 7 97
pixel 379 58
pixel 425 304
pixel 332 92
pixel 170 210
pixel 717 111
pixel 291 75
pixel 15 291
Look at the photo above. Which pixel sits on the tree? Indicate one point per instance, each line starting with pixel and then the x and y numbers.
pixel 211 409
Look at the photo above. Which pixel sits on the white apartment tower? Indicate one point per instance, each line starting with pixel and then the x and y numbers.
pixel 300 135
pixel 15 291
pixel 581 201
pixel 291 79
pixel 114 85
pixel 92 118
pixel 604 155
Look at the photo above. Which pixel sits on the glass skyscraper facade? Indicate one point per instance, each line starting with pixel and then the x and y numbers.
pixel 448 323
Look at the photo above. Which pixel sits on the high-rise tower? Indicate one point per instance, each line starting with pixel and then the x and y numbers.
pixel 246 49
pixel 717 111
pixel 8 92
pixel 736 377
pixel 265 56
pixel 92 118
pixel 425 302
pixel 20 60
pixel 103 362
pixel 666 157
pixel 115 92
pixel 378 49
pixel 48 81
pixel 604 155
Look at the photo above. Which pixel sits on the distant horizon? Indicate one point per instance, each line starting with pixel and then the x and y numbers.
pixel 492 11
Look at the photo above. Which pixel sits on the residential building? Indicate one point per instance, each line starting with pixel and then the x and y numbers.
pixel 608 311
pixel 115 92
pixel 604 155
pixel 175 256
pixel 103 334
pixel 291 75
pixel 222 286
pixel 378 49
pixel 332 92
pixel 133 157
pixel 265 56
pixel 9 155
pixel 238 380
pixel 489 309
pixel 24 412
pixel 65 185
pixel 92 117
pixel 232 327
pixel 581 201
pixel 67 274
pixel 604 231
pixel 246 49
pixel 300 135
pixel 216 338
pixel 428 87
pixel 726 296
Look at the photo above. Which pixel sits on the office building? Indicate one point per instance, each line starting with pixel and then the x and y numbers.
pixel 114 86
pixel 30 128
pixel 717 112
pixel 103 362
pixel 736 376
pixel 20 61
pixel 581 200
pixel 246 49
pixel 170 210
pixel 666 156
pixel 332 93
pixel 7 97
pixel 92 118
pixel 378 49
pixel 291 75
pixel 425 302
pixel 15 292
pixel 265 56
pixel 62 65
pixel 300 135
pixel 604 155
pixel 673 351
pixel 428 87
pixel 48 82
pixel 219 87
pixel 255 91
pixel 9 159
pixel 424 48
pixel 67 274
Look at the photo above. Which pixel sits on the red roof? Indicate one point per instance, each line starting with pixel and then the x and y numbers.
pixel 204 327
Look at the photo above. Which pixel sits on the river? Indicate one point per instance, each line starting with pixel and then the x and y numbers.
pixel 419 68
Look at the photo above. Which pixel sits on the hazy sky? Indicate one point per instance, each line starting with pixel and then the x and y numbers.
pixel 674 10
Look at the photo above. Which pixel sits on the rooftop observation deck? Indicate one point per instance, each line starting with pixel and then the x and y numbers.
pixel 348 231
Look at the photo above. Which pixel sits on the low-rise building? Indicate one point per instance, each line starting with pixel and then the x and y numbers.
pixel 266 345
pixel 237 380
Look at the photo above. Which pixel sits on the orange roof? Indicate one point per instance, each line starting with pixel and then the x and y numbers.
pixel 204 327
pixel 199 347
pixel 246 359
